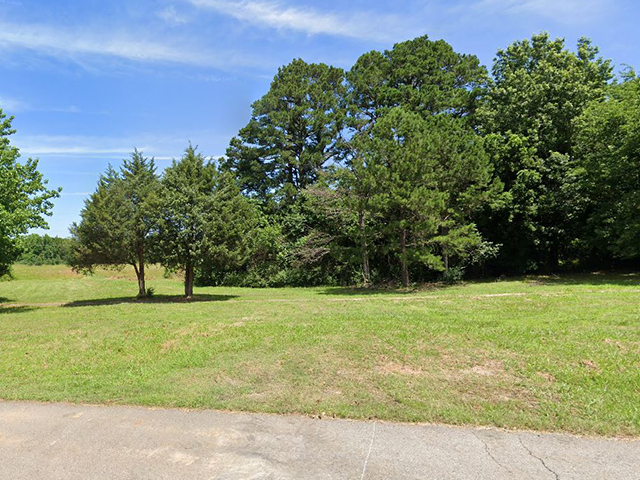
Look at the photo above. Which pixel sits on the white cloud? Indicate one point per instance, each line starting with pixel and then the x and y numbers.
pixel 561 11
pixel 161 147
pixel 362 26
pixel 171 16
pixel 75 194
pixel 11 105
pixel 78 145
pixel 67 44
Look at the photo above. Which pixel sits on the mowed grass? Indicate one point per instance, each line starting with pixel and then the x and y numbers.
pixel 553 354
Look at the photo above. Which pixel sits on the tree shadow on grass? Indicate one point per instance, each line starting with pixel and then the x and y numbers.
pixel 6 307
pixel 156 299
pixel 624 279
pixel 366 291
pixel 631 279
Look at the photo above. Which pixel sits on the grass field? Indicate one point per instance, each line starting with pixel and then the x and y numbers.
pixel 560 354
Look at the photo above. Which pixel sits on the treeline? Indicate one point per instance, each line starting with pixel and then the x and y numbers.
pixel 414 165
pixel 45 250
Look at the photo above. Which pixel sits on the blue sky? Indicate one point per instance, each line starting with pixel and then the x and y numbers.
pixel 89 80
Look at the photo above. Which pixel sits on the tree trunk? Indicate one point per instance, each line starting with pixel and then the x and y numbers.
pixel 188 281
pixel 142 291
pixel 366 269
pixel 142 288
pixel 405 268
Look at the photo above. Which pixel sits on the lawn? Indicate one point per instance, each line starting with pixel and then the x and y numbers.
pixel 552 354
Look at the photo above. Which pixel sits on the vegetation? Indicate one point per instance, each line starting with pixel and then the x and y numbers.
pixel 45 250
pixel 544 353
pixel 117 220
pixel 203 221
pixel 24 197
pixel 415 165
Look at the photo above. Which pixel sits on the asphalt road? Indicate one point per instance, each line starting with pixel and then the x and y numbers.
pixel 53 441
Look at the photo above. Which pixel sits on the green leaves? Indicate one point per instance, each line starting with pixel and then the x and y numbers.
pixel 423 76
pixel 609 157
pixel 203 221
pixel 24 197
pixel 117 219
pixel 294 132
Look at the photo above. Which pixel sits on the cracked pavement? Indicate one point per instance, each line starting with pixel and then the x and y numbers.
pixel 60 441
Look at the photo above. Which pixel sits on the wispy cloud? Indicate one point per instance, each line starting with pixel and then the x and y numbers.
pixel 357 25
pixel 172 16
pixel 75 194
pixel 11 105
pixel 561 11
pixel 82 44
pixel 161 147
pixel 78 145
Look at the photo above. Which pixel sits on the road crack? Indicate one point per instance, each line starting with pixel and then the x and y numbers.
pixel 366 461
pixel 538 458
pixel 488 450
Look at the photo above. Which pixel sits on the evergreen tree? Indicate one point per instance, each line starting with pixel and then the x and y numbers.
pixel 117 220
pixel 422 76
pixel 293 133
pixel 431 175
pixel 203 221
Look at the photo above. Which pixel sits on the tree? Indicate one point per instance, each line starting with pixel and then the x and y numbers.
pixel 539 89
pixel 422 76
pixel 608 153
pixel 293 132
pixel 203 219
pixel 431 175
pixel 24 197
pixel 117 220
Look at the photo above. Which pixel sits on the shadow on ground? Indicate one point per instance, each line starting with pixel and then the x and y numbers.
pixel 621 279
pixel 605 278
pixel 364 291
pixel 157 299
pixel 17 309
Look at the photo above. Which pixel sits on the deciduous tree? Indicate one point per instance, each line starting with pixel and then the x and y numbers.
pixel 25 199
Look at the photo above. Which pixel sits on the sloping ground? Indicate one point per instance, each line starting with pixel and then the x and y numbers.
pixel 548 354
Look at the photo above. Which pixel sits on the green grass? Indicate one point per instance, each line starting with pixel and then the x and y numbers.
pixel 559 354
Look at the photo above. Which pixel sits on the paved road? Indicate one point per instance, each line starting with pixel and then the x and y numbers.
pixel 69 442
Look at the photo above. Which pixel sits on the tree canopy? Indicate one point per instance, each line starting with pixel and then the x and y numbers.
pixel 117 220
pixel 25 199
pixel 293 132
pixel 415 164
pixel 203 220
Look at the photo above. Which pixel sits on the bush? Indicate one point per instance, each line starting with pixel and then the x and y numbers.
pixel 453 275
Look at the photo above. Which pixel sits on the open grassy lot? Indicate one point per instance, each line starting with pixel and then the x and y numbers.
pixel 536 353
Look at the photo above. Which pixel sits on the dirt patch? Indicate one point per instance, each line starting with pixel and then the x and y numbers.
pixel 547 376
pixel 491 368
pixel 168 345
pixel 392 368
pixel 590 364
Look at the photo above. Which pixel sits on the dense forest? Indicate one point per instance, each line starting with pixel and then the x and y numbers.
pixel 417 164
